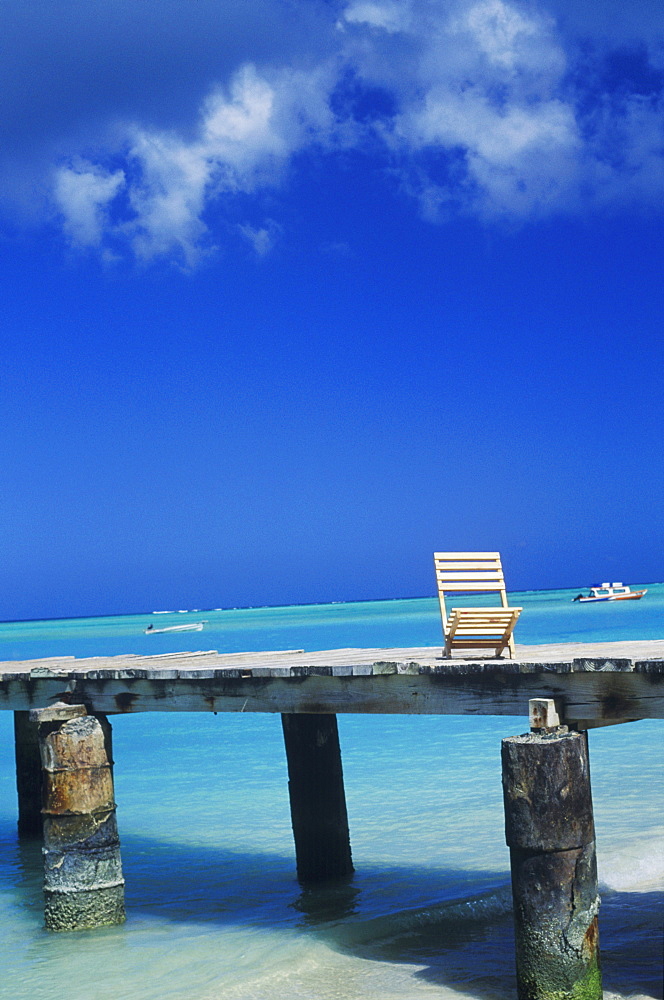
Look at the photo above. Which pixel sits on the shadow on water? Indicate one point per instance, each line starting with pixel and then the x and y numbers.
pixel 477 955
pixel 460 940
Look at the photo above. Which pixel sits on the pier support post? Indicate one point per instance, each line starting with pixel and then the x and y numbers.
pixel 83 883
pixel 550 831
pixel 28 775
pixel 317 797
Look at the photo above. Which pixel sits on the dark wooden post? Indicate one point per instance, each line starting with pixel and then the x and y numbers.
pixel 550 831
pixel 317 797
pixel 83 883
pixel 28 775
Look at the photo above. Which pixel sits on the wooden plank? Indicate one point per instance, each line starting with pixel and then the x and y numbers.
pixel 481 628
pixel 467 555
pixel 479 633
pixel 480 576
pixel 403 686
pixel 478 612
pixel 470 628
pixel 623 655
pixel 491 564
pixel 481 622
pixel 464 570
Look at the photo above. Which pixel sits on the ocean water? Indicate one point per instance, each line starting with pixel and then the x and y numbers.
pixel 214 909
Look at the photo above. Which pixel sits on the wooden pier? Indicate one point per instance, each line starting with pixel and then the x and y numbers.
pixel 592 684
pixel 64 762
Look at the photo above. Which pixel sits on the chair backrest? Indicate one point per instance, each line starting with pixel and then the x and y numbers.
pixel 468 571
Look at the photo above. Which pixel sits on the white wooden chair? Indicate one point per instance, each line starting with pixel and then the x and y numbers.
pixel 474 628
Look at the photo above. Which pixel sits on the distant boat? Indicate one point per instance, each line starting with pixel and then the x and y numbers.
pixel 610 592
pixel 193 627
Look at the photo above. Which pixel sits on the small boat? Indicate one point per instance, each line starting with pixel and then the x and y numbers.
pixel 610 592
pixel 193 627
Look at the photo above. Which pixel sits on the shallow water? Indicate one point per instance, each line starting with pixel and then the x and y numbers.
pixel 214 909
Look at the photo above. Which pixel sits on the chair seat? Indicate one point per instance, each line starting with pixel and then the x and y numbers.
pixel 480 628
pixel 474 628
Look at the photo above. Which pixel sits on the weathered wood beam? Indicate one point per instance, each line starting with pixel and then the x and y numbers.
pixel 317 797
pixel 635 691
pixel 28 775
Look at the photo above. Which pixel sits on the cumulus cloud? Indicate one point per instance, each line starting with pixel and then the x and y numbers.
pixel 508 39
pixel 475 106
pixel 83 193
pixel 492 120
pixel 486 128
pixel 243 142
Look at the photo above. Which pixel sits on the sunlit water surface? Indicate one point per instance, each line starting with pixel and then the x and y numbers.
pixel 214 909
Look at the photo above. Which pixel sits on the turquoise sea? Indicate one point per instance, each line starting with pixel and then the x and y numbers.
pixel 214 909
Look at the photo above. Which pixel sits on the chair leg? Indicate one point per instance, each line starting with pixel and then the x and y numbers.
pixel 505 644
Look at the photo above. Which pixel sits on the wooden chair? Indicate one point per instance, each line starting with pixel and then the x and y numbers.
pixel 474 628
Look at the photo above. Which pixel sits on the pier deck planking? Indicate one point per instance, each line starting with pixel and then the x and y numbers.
pixel 591 683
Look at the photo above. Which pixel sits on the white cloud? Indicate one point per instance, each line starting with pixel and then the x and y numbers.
pixel 489 116
pixel 243 142
pixel 167 196
pixel 391 15
pixel 262 239
pixel 488 95
pixel 83 193
pixel 238 147
pixel 508 39
pixel 495 119
pixel 519 158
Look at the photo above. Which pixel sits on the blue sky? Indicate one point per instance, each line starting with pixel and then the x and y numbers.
pixel 294 294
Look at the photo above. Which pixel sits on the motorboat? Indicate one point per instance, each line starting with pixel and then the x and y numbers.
pixel 192 627
pixel 610 592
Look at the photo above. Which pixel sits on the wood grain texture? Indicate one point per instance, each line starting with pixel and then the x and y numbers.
pixel 596 682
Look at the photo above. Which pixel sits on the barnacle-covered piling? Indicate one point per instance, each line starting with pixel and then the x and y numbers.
pixel 550 831
pixel 83 883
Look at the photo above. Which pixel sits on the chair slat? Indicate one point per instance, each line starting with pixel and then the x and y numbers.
pixel 495 613
pixel 461 564
pixel 466 628
pixel 467 555
pixel 489 577
pixel 480 644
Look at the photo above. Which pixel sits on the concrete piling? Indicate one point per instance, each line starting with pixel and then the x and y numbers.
pixel 317 797
pixel 28 775
pixel 83 883
pixel 549 829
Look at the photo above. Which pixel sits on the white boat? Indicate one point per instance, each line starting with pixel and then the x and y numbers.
pixel 193 627
pixel 610 592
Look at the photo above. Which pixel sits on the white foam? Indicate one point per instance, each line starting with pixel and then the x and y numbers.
pixel 634 867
